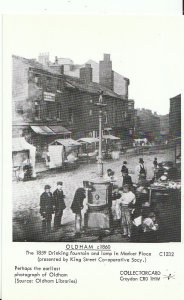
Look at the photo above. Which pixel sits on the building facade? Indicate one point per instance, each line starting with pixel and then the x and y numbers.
pixel 147 124
pixel 47 104
pixel 175 117
pixel 164 126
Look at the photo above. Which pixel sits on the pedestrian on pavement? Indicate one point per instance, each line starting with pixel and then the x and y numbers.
pixel 46 208
pixel 155 166
pixel 141 168
pixel 124 167
pixel 125 207
pixel 155 163
pixel 77 206
pixel 59 204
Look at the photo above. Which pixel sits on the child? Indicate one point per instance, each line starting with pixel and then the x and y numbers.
pixel 149 227
pixel 124 207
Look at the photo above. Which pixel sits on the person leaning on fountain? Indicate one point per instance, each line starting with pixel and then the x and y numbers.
pixel 77 206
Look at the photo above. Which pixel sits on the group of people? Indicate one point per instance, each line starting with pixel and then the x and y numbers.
pixel 130 202
pixel 54 203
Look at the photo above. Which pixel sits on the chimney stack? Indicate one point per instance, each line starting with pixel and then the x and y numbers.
pixel 106 76
pixel 43 58
pixel 86 73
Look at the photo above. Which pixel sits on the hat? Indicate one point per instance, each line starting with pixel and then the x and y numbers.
pixel 163 178
pixel 47 187
pixel 59 183
pixel 146 204
pixel 141 160
pixel 125 162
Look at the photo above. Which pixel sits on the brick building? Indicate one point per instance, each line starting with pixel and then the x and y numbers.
pixel 175 117
pixel 164 126
pixel 48 104
pixel 147 124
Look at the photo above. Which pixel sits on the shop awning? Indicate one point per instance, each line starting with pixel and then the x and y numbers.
pixel 88 140
pixel 110 137
pixel 59 130
pixel 66 142
pixel 50 130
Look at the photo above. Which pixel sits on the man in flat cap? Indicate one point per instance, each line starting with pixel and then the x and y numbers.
pixel 59 204
pixel 46 208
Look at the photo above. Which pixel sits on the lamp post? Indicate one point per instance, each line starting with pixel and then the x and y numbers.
pixel 98 214
pixel 100 105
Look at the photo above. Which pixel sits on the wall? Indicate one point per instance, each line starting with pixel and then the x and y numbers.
pixel 175 116
pixel 19 87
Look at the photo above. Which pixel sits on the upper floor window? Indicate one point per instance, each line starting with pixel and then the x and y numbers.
pixel 59 111
pixel 90 112
pixel 70 116
pixel 37 110
pixel 106 117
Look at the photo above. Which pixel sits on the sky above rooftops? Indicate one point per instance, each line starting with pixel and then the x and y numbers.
pixel 147 50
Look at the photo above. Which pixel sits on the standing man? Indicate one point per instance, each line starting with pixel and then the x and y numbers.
pixel 77 206
pixel 46 208
pixel 141 169
pixel 59 204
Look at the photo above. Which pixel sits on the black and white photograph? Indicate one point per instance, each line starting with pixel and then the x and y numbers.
pixel 96 129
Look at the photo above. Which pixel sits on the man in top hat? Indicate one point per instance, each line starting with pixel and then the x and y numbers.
pixel 46 208
pixel 141 169
pixel 59 204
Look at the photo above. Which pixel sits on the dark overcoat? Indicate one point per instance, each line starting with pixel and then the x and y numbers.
pixel 59 203
pixel 46 203
pixel 77 204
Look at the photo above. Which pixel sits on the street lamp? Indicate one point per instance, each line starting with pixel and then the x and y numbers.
pixel 100 105
pixel 98 215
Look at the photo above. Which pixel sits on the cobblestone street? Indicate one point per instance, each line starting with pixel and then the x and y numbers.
pixel 26 197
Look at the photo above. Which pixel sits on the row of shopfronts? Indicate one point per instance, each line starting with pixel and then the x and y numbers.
pixel 47 147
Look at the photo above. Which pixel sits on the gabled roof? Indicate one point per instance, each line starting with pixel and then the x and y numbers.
pixel 91 87
pixel 71 82
pixel 36 65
